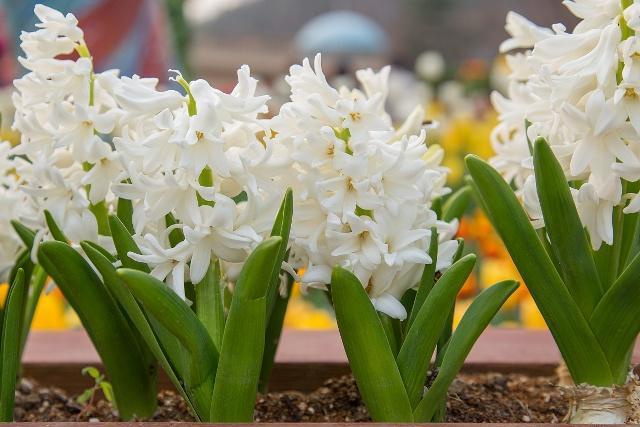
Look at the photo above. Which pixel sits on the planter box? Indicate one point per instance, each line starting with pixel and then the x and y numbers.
pixel 304 360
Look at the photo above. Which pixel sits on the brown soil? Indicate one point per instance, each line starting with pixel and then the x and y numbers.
pixel 472 398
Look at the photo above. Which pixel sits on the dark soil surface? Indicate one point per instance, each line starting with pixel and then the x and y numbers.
pixel 472 398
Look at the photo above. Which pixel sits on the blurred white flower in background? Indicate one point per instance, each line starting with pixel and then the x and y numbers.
pixel 430 65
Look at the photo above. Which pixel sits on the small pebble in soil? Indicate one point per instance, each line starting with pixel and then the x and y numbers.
pixel 473 398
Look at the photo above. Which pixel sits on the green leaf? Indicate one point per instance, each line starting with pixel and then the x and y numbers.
pixel 392 330
pixel 10 346
pixel 616 319
pixel 55 230
pixel 367 348
pixel 457 204
pixel 112 336
pixel 39 278
pixel 415 355
pixel 272 335
pixel 427 280
pixel 474 321
pixel 630 228
pixel 238 373
pixel 575 339
pixel 124 244
pixel 234 393
pixel 124 212
pixel 175 315
pixel 209 308
pixel 566 233
pixel 117 288
pixel 107 390
pixel 91 371
pixel 261 263
pixel 96 247
pixel 23 262
pixel 26 234
pixel 281 228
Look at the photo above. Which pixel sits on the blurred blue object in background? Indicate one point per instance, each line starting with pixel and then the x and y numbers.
pixel 342 32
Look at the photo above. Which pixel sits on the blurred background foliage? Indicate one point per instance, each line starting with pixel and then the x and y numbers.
pixel 443 56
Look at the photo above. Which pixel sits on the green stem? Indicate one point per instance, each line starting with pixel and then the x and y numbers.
pixel 392 331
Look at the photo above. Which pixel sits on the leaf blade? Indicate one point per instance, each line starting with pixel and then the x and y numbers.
pixel 106 325
pixel 368 350
pixel 565 230
pixel 425 332
pixel 577 343
pixel 474 321
pixel 10 345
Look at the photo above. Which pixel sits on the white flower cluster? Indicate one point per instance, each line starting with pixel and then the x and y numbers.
pixel 62 110
pixel 581 91
pixel 363 190
pixel 205 172
pixel 91 138
pixel 13 204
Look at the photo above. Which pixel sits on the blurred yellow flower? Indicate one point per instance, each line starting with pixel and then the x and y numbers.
pixel 302 314
pixel 530 315
pixel 50 313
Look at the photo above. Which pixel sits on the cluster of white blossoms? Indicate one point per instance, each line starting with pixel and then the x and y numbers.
pixel 13 204
pixel 581 91
pixel 64 112
pixel 205 171
pixel 363 190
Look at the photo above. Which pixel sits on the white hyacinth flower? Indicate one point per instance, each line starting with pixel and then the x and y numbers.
pixel 579 90
pixel 362 191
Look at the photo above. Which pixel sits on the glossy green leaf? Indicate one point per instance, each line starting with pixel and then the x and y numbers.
pixel 124 244
pixel 175 315
pixel 473 322
pixel 96 247
pixel 34 290
pixel 415 355
pixel 392 330
pixel 25 233
pixel 10 345
pixel 577 343
pixel 616 319
pixel 55 230
pixel 566 233
pixel 124 212
pixel 135 314
pixel 367 348
pixel 457 204
pixel 238 373
pixel 234 393
pixel 260 265
pixel 448 326
pixel 427 279
pixel 209 308
pixel 630 229
pixel 110 332
pixel 272 335
pixel 281 228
